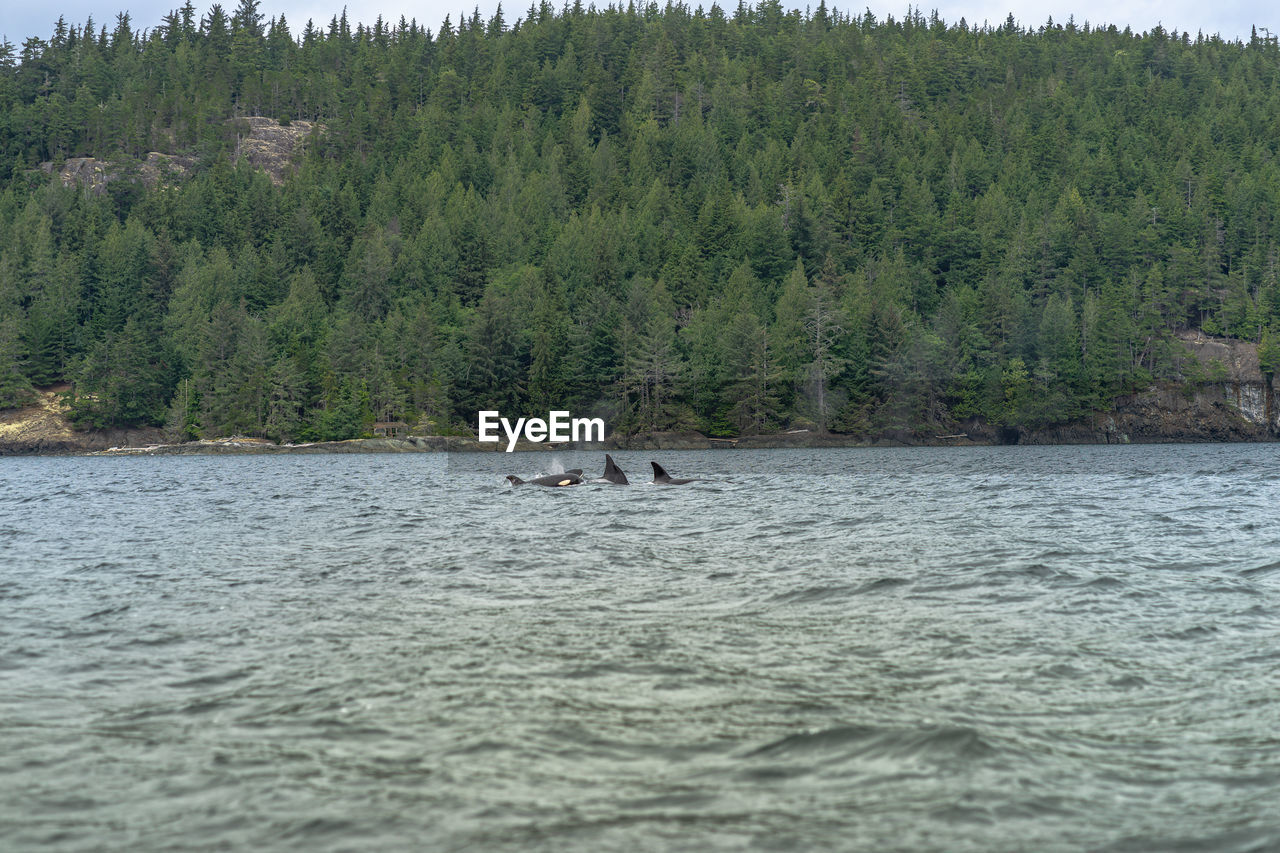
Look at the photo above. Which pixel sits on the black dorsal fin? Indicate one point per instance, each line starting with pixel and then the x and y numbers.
pixel 613 473
pixel 661 476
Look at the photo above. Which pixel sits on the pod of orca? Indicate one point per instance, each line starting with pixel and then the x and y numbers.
pixel 612 474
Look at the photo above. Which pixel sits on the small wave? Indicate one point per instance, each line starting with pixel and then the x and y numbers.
pixel 107 611
pixel 682 800
pixel 19 658
pixel 317 828
pixel 481 747
pixel 1103 582
pixel 1234 587
pixel 813 593
pixel 1033 571
pixel 1042 806
pixel 1199 511
pixel 160 639
pixel 104 566
pixel 606 669
pixel 214 679
pixel 1058 553
pixel 881 584
pixel 1179 566
pixel 1195 632
pixel 959 813
pixel 1241 841
pixel 1060 670
pixel 205 706
pixel 821 741
pixel 1264 657
pixel 83 635
pixel 1261 570
pixel 933 744
pixel 838 591
pixel 574 742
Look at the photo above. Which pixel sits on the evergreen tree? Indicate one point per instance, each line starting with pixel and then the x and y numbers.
pixel 15 390
pixel 752 392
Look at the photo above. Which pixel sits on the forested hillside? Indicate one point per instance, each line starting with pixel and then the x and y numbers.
pixel 731 220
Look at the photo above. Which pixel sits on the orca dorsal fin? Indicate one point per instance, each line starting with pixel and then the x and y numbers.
pixel 613 473
pixel 662 477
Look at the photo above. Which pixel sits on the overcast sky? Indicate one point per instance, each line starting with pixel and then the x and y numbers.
pixel 1230 18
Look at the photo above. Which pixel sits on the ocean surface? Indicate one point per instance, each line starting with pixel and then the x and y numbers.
pixel 947 649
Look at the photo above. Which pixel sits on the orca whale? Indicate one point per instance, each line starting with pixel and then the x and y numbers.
pixel 661 477
pixel 612 472
pixel 568 478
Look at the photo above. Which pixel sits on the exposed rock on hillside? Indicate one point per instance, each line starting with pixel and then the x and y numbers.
pixel 269 145
pixel 1237 361
pixel 45 420
pixel 43 428
pixel 88 172
pixel 162 169
pixel 1233 372
pixel 263 142
pixel 156 169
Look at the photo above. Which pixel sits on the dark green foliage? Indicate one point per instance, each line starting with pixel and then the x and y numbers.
pixel 1269 355
pixel 124 378
pixel 15 389
pixel 671 218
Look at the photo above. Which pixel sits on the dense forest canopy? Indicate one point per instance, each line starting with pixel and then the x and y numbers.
pixel 730 220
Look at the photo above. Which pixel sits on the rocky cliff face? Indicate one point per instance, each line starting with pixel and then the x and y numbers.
pixel 1256 402
pixel 1233 371
pixel 1226 398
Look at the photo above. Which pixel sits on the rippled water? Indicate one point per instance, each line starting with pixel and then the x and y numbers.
pixel 917 649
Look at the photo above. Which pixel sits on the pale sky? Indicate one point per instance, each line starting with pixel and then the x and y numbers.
pixel 1230 18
